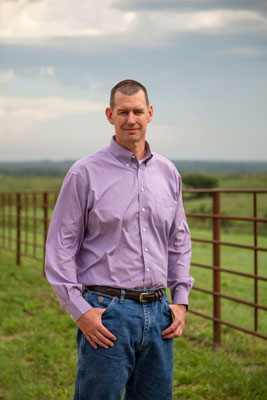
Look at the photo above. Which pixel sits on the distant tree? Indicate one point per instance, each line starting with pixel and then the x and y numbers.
pixel 200 181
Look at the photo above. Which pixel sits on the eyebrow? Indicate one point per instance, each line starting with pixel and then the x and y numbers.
pixel 135 109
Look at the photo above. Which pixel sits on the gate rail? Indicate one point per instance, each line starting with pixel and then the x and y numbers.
pixel 216 243
pixel 24 221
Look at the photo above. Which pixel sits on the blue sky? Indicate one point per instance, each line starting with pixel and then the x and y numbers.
pixel 203 63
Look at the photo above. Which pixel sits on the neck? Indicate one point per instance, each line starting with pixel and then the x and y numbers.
pixel 139 152
pixel 137 148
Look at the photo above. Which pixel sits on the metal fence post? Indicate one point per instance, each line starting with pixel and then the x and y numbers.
pixel 216 272
pixel 18 209
pixel 255 262
pixel 2 205
pixel 45 208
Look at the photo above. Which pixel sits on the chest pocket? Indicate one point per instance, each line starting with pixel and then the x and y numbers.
pixel 165 211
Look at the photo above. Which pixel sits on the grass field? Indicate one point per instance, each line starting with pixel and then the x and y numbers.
pixel 38 339
pixel 38 352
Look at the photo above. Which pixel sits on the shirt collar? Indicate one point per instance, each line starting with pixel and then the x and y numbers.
pixel 126 156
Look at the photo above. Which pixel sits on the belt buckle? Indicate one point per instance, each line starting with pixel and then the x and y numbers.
pixel 141 298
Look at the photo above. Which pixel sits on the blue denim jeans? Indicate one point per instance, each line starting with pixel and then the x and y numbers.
pixel 140 365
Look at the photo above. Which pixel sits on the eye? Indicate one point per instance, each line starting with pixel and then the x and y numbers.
pixel 138 112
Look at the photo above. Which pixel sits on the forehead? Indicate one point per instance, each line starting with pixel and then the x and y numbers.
pixel 137 100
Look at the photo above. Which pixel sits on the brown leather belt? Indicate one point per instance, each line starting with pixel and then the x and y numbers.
pixel 143 297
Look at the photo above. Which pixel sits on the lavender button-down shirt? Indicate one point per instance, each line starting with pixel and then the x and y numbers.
pixel 120 224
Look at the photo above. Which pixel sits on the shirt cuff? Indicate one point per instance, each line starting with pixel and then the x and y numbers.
pixel 180 297
pixel 77 309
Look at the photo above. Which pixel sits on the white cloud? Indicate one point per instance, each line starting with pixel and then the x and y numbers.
pixel 62 22
pixel 42 108
pixel 209 21
pixel 34 21
pixel 6 76
pixel 18 114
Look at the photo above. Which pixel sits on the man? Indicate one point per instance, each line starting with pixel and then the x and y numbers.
pixel 117 238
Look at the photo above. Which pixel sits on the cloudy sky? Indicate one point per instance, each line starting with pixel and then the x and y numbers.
pixel 204 63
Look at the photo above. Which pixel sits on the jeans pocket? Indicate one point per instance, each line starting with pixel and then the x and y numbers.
pixel 167 304
pixel 99 300
pixel 165 299
pixel 110 305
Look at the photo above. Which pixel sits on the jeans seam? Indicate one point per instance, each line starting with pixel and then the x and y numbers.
pixel 82 367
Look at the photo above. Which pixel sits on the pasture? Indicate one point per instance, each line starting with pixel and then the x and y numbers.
pixel 38 352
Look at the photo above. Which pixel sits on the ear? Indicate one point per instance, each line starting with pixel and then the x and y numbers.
pixel 109 115
pixel 150 113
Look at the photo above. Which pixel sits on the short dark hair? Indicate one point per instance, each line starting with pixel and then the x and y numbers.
pixel 128 87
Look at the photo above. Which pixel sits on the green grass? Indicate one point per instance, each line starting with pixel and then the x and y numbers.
pixel 21 183
pixel 37 338
pixel 39 353
pixel 235 259
pixel 38 350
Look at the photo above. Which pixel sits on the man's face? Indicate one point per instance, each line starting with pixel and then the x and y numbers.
pixel 130 117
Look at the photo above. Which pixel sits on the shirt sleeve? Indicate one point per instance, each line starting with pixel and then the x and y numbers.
pixel 64 239
pixel 179 254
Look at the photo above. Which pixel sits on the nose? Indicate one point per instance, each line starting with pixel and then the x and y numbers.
pixel 131 119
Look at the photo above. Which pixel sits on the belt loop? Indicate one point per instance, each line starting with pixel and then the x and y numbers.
pixel 122 296
pixel 162 291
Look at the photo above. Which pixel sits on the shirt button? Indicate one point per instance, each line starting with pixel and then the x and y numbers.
pixel 146 249
pixel 147 269
pixel 143 209
pixel 133 156
pixel 127 165
pixel 144 229
pixel 139 170
pixel 142 189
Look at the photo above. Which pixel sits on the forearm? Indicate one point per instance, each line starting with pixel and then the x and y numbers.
pixel 64 239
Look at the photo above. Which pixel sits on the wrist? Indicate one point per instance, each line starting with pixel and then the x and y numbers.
pixel 182 306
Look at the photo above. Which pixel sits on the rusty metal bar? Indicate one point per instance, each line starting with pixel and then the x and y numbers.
pixel 31 230
pixel 219 190
pixel 34 225
pixel 39 246
pixel 239 328
pixel 240 246
pixel 2 218
pixel 255 262
pixel 31 257
pixel 23 218
pixel 45 207
pixel 216 273
pixel 23 254
pixel 18 202
pixel 225 296
pixel 230 271
pixel 231 217
pixel 9 225
pixel 12 239
pixel 39 233
pixel 26 221
pixel 41 192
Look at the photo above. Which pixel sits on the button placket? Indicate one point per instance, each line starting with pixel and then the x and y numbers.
pixel 143 224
